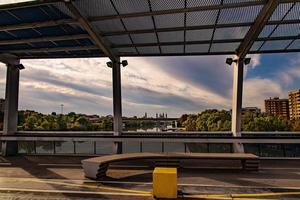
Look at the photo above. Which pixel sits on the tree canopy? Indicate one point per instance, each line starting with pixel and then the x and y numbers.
pixel 220 120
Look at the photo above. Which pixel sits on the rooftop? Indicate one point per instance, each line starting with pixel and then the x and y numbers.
pixel 62 178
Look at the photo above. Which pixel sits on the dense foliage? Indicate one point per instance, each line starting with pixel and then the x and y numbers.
pixel 215 120
pixel 34 121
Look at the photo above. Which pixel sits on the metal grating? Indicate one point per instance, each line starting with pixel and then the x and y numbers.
pixel 238 1
pixel 275 45
pixel 175 49
pixel 126 50
pixel 201 18
pixel 108 25
pixel 171 20
pixel 231 33
pixel 256 46
pixel 267 30
pixel 280 11
pixel 196 3
pixel 295 45
pixel 144 38
pixel 166 4
pixel 176 36
pixel 132 6
pixel 197 48
pixel 148 50
pixel 119 39
pixel 286 30
pixel 239 15
pixel 224 47
pixel 294 12
pixel 199 35
pixel 138 23
pixel 93 8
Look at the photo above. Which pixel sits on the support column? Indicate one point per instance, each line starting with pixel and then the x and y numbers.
pixel 117 103
pixel 237 97
pixel 11 109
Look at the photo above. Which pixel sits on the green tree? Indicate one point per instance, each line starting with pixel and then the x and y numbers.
pixel 190 123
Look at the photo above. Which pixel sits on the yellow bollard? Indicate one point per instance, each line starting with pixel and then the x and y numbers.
pixel 165 183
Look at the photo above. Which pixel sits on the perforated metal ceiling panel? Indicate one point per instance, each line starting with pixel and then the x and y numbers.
pixel 50 29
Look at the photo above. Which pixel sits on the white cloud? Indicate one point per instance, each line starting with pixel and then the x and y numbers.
pixel 174 85
pixel 290 73
pixel 4 2
pixel 256 90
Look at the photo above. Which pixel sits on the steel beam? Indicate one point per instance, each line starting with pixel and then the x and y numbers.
pixel 53 49
pixel 93 47
pixel 9 59
pixel 99 41
pixel 117 103
pixel 27 4
pixel 254 31
pixel 237 97
pixel 44 39
pixel 205 42
pixel 13 27
pixel 11 108
pixel 201 27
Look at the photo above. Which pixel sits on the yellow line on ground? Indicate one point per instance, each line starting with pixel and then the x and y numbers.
pixel 95 187
pixel 149 183
pixel 240 186
pixel 249 195
pixel 251 199
pixel 207 197
pixel 50 181
pixel 221 197
pixel 73 192
pixel 266 194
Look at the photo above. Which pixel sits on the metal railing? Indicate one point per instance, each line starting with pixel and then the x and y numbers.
pixel 264 144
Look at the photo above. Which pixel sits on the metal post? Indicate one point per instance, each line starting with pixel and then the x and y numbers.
pixel 117 103
pixel 11 109
pixel 237 97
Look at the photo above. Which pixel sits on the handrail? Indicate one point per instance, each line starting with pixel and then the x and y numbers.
pixel 244 140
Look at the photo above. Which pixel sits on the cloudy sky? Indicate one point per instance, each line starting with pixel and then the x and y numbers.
pixel 175 85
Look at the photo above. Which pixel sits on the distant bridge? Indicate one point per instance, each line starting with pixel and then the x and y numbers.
pixel 150 119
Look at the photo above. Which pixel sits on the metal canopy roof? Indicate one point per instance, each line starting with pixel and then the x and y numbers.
pixel 93 28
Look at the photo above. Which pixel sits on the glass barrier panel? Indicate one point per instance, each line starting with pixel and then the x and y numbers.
pixel 64 147
pixel 220 148
pixel 152 147
pixel 131 147
pixel 252 148
pixel 174 147
pixel 26 147
pixel 196 148
pixel 104 148
pixel 44 147
pixel 292 150
pixel 85 147
pixel 272 150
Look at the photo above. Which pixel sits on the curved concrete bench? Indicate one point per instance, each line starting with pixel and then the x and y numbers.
pixel 95 168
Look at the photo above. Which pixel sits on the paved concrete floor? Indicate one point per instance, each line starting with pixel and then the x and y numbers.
pixel 46 177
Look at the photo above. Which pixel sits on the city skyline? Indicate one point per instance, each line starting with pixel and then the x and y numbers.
pixel 172 85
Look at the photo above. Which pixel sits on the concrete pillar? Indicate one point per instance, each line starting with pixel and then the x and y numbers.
pixel 237 97
pixel 117 103
pixel 11 109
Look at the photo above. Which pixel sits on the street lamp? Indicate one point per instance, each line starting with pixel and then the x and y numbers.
pixel 229 61
pixel 124 63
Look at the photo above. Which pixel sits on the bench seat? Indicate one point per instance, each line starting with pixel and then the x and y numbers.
pixel 95 168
